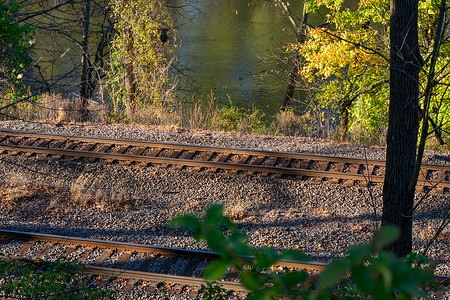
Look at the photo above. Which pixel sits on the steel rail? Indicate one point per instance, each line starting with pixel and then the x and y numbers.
pixel 149 276
pixel 143 248
pixel 212 164
pixel 156 277
pixel 191 147
pixel 139 275
pixel 198 163
pixel 107 244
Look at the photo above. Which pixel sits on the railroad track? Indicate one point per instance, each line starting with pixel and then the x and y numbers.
pixel 134 262
pixel 346 170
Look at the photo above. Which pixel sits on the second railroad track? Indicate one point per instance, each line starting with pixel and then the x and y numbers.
pixel 133 262
pixel 345 170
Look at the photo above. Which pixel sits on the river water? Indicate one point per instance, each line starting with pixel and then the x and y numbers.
pixel 233 48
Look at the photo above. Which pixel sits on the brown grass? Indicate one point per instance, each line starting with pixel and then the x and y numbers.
pixel 56 108
pixel 21 195
pixel 288 123
pixel 201 116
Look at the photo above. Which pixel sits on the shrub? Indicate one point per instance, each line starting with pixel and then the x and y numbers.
pixel 367 270
pixel 46 280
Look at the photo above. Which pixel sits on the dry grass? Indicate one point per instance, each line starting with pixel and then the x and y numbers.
pixel 22 195
pixel 88 191
pixel 201 116
pixel 56 108
pixel 288 123
pixel 151 115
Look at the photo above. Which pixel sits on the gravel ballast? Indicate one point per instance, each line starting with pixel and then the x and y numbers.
pixel 133 203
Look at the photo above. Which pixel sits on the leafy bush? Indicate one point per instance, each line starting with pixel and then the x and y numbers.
pixel 367 270
pixel 46 280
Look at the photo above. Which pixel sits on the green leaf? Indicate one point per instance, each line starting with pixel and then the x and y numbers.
pixel 359 254
pixel 216 270
pixel 386 235
pixel 294 255
pixel 189 221
pixel 266 257
pixel 294 278
pixel 364 280
pixel 214 214
pixel 332 274
pixel 251 280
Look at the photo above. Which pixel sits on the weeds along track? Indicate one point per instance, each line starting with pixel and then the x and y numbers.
pixel 133 262
pixel 344 170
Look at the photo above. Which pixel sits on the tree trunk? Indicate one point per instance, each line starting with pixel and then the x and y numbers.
pixel 405 63
pixel 85 94
pixel 301 37
pixel 130 78
pixel 344 119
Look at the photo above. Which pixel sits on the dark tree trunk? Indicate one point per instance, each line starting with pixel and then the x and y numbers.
pixel 405 63
pixel 344 118
pixel 301 37
pixel 287 102
pixel 85 65
pixel 130 78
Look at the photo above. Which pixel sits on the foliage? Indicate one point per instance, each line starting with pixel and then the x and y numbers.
pixel 228 117
pixel 234 118
pixel 16 44
pixel 54 280
pixel 212 291
pixel 371 271
pixel 345 59
pixel 140 56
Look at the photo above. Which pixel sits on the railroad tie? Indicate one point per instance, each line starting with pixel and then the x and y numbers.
pixel 139 150
pixel 86 253
pixel 193 292
pixel 147 262
pixel 349 182
pixel 270 163
pixel 41 253
pixel 44 143
pixel 284 164
pixel 174 154
pixel 30 142
pixel 102 149
pixel 17 140
pixel 207 158
pixel 304 164
pixel 87 147
pixel 339 167
pixel 123 258
pixel 4 240
pixel 191 266
pixel 354 168
pixel 22 251
pixel 69 250
pixel 103 257
pixel 122 149
pixel 324 165
pixel 334 180
pixel 70 146
pixel 177 289
pixel 168 263
pixel 223 158
pixel 130 284
pixel 257 162
pixel 188 155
